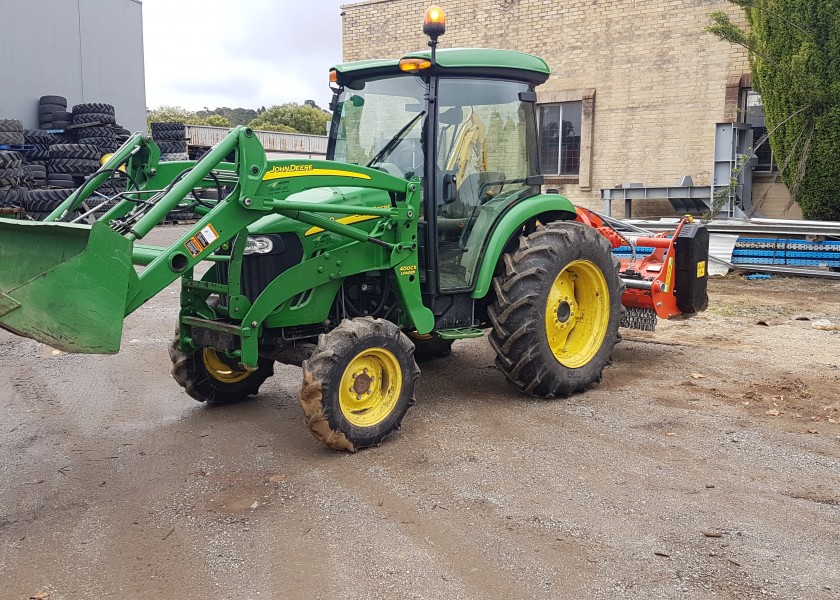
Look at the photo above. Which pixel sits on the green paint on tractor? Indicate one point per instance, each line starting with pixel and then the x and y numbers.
pixel 427 223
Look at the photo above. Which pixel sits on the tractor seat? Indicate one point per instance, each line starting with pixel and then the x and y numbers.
pixel 468 193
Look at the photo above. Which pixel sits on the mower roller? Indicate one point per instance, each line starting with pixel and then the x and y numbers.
pixel 426 224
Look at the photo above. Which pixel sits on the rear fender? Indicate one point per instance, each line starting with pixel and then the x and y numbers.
pixel 542 208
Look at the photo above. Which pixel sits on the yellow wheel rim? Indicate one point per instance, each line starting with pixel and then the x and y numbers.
pixel 577 314
pixel 370 387
pixel 220 370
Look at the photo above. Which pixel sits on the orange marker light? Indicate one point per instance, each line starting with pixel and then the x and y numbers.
pixel 434 22
pixel 333 76
pixel 411 65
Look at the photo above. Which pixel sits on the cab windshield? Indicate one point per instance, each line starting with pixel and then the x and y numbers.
pixel 380 125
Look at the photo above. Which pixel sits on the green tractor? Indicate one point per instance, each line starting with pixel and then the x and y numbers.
pixel 426 224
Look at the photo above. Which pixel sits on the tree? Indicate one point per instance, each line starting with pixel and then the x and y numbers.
pixel 170 114
pixel 236 116
pixel 300 118
pixel 279 128
pixel 217 121
pixel 795 61
pixel 177 114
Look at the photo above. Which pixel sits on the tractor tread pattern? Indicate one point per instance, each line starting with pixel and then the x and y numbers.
pixel 11 126
pixel 320 369
pixel 45 201
pixel 94 107
pixel 85 118
pixel 10 160
pixel 95 131
pixel 73 166
pixel 13 138
pixel 57 100
pixel 171 147
pixel 189 372
pixel 518 311
pixel 83 151
pixel 11 198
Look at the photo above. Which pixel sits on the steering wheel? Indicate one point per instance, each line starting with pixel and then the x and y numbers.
pixel 408 156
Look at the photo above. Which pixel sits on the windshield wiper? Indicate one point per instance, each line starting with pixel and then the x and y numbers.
pixel 392 143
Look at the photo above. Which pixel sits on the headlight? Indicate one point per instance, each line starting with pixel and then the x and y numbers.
pixel 258 245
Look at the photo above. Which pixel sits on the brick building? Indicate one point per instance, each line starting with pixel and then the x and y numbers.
pixel 638 93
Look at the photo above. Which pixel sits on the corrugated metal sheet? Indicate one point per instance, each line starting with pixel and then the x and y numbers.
pixel 721 247
pixel 272 141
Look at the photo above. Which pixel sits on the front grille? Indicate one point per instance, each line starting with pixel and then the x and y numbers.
pixel 259 270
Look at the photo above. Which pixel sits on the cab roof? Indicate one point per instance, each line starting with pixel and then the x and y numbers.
pixel 476 62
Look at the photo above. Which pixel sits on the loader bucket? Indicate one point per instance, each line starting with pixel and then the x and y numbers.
pixel 64 285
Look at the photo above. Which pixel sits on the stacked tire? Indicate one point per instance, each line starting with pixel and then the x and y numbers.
pixel 35 176
pixel 172 139
pixel 52 113
pixel 40 203
pixel 122 134
pixel 11 132
pixel 12 194
pixel 69 161
pixel 94 126
pixel 11 169
pixel 41 140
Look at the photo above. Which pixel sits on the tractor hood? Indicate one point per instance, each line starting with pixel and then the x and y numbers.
pixel 333 195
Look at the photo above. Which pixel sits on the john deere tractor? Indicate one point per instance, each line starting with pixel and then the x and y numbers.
pixel 426 224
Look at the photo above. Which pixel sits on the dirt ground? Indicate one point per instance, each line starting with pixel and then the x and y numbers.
pixel 706 465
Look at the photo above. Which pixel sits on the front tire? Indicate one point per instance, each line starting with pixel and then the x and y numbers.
pixel 358 384
pixel 210 377
pixel 557 310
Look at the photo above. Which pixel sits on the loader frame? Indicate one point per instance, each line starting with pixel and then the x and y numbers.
pixel 262 188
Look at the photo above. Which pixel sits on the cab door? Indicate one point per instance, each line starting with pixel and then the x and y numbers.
pixel 486 159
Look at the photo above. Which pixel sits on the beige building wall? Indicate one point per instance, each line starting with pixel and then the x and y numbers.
pixel 772 199
pixel 656 82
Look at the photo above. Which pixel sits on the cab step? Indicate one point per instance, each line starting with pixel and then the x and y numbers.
pixel 459 333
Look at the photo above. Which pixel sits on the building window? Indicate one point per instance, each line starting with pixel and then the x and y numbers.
pixel 560 129
pixel 753 114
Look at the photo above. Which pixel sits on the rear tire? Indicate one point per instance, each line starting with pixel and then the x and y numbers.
pixel 557 310
pixel 84 118
pixel 208 377
pixel 13 138
pixel 13 198
pixel 358 384
pixel 93 108
pixel 11 125
pixel 45 201
pixel 10 160
pixel 167 147
pixel 57 100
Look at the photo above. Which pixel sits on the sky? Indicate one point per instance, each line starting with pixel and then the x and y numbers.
pixel 251 53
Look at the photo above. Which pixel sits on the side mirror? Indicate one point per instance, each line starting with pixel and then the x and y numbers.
pixel 450 190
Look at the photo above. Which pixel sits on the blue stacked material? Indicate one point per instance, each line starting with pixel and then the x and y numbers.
pixel 791 252
pixel 626 251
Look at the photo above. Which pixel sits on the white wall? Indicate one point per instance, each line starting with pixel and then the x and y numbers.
pixel 85 50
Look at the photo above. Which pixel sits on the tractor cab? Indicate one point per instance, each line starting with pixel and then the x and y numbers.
pixel 463 121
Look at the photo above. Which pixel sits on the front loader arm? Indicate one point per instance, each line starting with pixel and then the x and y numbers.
pixel 90 268
pixel 264 189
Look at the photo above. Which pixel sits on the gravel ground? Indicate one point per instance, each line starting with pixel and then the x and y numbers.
pixel 706 465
